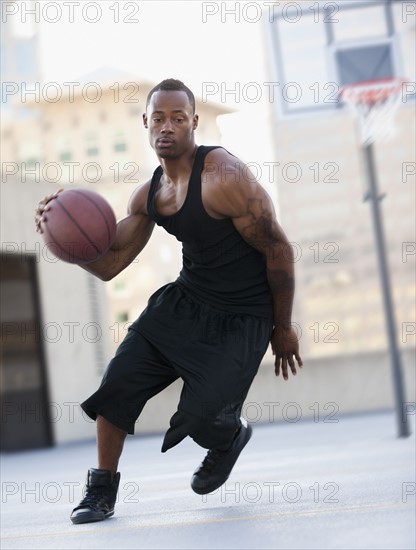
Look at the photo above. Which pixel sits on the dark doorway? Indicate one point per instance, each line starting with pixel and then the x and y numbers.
pixel 25 420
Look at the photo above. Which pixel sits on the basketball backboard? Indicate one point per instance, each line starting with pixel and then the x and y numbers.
pixel 317 47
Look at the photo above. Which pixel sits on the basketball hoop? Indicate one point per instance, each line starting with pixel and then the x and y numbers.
pixel 373 103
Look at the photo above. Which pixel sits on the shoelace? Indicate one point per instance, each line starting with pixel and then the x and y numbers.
pixel 93 497
pixel 212 459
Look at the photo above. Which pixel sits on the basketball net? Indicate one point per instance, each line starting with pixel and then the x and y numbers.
pixel 374 104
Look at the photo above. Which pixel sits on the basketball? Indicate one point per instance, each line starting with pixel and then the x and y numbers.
pixel 79 226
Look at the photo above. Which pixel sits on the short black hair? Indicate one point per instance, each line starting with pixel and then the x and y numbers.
pixel 172 85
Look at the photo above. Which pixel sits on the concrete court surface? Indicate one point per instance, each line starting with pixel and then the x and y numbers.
pixel 324 485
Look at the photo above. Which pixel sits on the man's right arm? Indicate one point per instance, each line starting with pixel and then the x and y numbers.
pixel 132 234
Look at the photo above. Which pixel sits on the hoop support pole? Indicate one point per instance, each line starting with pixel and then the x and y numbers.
pixel 403 424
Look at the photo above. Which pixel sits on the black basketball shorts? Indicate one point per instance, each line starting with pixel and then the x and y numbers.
pixel 216 354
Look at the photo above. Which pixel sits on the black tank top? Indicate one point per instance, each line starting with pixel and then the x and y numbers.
pixel 219 267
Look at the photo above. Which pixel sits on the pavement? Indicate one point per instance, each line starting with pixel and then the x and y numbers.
pixel 334 483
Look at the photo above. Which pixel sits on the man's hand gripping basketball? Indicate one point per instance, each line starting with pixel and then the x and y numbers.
pixel 42 207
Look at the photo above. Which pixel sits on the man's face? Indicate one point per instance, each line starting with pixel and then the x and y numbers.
pixel 171 123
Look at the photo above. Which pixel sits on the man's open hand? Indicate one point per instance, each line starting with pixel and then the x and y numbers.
pixel 285 346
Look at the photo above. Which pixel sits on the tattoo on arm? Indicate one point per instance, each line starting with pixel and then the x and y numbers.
pixel 264 235
pixel 280 281
pixel 262 230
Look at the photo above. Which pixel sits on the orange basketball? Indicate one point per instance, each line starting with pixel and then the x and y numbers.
pixel 79 227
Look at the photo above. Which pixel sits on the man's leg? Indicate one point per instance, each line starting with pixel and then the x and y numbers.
pixel 102 482
pixel 135 374
pixel 214 392
pixel 110 442
pixel 216 467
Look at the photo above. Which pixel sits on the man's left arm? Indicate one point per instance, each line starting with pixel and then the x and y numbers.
pixel 259 228
pixel 252 212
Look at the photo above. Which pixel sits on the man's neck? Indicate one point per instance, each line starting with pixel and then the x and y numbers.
pixel 179 169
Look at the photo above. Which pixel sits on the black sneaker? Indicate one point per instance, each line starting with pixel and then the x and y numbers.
pixel 217 465
pixel 100 497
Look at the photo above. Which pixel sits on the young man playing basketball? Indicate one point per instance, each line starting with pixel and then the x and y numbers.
pixel 233 296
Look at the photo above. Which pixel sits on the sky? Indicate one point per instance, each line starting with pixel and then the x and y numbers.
pixel 156 40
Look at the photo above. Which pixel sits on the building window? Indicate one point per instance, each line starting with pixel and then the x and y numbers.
pixel 91 139
pixel 120 144
pixel 119 286
pixel 119 147
pixel 122 317
pixel 63 147
pixel 65 156
pixel 31 162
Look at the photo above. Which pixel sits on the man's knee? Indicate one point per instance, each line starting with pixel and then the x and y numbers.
pixel 216 426
pixel 207 430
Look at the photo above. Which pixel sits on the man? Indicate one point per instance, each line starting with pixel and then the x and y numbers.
pixel 212 326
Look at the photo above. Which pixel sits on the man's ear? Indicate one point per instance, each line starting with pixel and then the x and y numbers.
pixel 145 120
pixel 195 122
